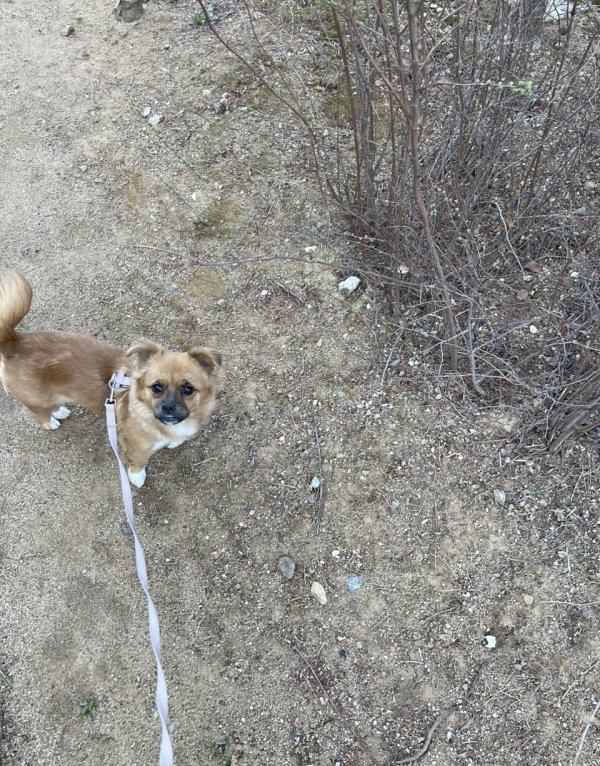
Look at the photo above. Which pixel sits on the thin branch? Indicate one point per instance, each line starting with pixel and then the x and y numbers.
pixel 586 731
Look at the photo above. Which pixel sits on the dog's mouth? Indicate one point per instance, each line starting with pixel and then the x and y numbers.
pixel 170 420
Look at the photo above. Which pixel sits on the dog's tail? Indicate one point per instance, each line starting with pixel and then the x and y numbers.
pixel 15 302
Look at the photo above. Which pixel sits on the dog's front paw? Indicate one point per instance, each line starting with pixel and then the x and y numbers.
pixel 137 478
pixel 52 423
pixel 61 413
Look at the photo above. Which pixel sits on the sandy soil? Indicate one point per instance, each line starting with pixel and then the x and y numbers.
pixel 458 535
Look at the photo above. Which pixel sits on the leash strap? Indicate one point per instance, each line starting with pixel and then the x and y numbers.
pixel 120 380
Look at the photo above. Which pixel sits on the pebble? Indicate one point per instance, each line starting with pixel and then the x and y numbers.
pixel 147 111
pixel 315 482
pixel 318 591
pixel 500 496
pixel 528 599
pixel 349 285
pixel 68 31
pixel 155 120
pixel 533 329
pixel 355 583
pixel 490 641
pixel 129 10
pixel 287 567
pixel 534 267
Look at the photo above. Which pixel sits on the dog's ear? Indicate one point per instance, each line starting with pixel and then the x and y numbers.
pixel 207 358
pixel 140 353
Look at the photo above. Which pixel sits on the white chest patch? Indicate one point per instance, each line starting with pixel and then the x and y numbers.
pixel 180 433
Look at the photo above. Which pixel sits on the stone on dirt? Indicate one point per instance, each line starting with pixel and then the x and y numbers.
pixel 287 567
pixel 349 285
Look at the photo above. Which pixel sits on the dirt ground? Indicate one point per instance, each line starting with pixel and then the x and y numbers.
pixel 476 621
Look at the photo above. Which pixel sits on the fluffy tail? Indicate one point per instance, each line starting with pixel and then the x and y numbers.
pixel 15 301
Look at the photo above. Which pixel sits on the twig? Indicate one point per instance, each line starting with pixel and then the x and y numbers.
pixel 320 492
pixel 425 748
pixel 580 679
pixel 363 746
pixel 397 339
pixel 585 732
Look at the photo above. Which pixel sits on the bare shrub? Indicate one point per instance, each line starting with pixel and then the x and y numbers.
pixel 462 141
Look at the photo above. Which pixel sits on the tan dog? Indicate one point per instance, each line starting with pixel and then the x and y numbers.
pixel 171 396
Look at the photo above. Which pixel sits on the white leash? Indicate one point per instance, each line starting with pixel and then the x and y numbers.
pixel 120 380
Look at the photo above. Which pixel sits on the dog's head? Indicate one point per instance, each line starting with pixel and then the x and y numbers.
pixel 174 386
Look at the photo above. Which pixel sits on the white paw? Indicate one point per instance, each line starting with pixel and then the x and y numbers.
pixel 52 424
pixel 137 478
pixel 61 413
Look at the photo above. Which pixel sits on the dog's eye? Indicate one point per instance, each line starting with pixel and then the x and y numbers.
pixel 157 388
pixel 187 390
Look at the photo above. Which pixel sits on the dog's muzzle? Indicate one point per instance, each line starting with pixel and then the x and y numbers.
pixel 170 412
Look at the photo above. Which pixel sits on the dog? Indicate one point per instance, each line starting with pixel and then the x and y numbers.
pixel 171 395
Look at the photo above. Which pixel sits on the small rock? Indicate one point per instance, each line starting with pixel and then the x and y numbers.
pixel 533 329
pixel 500 496
pixel 395 504
pixel 490 641
pixel 318 591
pixel 146 112
pixel 287 567
pixel 315 483
pixel 355 583
pixel 129 10
pixel 310 249
pixel 557 10
pixel 534 267
pixel 349 285
pixel 528 599
pixel 155 120
pixel 68 31
pixel 590 185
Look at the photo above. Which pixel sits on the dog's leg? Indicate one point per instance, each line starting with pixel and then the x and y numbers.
pixel 137 476
pixel 45 416
pixel 135 459
pixel 61 413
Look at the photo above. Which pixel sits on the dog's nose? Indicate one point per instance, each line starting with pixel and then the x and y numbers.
pixel 169 406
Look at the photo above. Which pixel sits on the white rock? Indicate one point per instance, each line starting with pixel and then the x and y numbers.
pixel 315 482
pixel 500 496
pixel 533 329
pixel 349 285
pixel 490 641
pixel 557 9
pixel 155 120
pixel 318 591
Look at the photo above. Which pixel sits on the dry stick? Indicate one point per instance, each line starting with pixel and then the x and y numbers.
pixel 397 339
pixel 358 201
pixel 294 109
pixel 425 748
pixel 320 493
pixel 413 117
pixel 579 680
pixel 452 329
pixel 236 262
pixel 585 732
pixel 359 739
